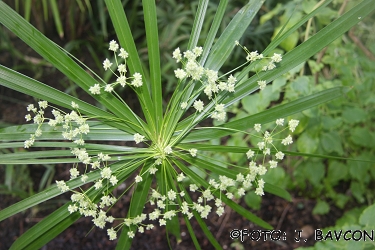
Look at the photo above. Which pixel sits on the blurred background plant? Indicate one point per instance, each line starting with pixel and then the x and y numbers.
pixel 359 218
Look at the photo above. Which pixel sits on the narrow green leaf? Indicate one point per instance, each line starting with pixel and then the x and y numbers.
pixel 149 10
pixel 47 229
pixel 102 18
pixel 27 9
pixel 243 150
pixel 56 18
pixel 272 189
pixel 214 148
pixel 14 80
pixel 45 10
pixel 59 160
pixel 245 213
pixel 192 233
pixel 35 154
pixel 213 30
pixel 209 165
pixel 98 132
pixel 173 225
pixel 141 193
pixel 198 23
pixel 91 147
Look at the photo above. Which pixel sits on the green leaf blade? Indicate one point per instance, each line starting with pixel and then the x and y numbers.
pixel 149 9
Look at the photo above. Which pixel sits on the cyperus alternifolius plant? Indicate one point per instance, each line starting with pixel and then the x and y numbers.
pixel 169 136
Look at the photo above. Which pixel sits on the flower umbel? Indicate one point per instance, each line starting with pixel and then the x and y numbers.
pixel 122 79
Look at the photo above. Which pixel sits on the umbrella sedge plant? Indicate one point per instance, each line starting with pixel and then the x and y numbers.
pixel 169 136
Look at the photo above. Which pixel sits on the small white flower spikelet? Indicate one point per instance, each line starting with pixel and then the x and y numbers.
pixel 138 179
pixel 276 58
pixel 193 152
pixel 107 64
pixel 287 141
pixel 138 138
pixel 95 90
pixel 113 46
pixel 61 185
pixel 123 54
pixel 280 122
pixel 262 84
pixel 168 150
pixel 293 124
pixel 183 105
pixel 198 105
pixel 257 127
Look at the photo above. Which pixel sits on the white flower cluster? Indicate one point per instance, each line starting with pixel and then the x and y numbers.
pixel 211 85
pixel 74 124
pixel 138 138
pixel 136 79
pixel 165 203
pixel 271 64
pixel 86 207
pixel 255 170
pixel 81 202
pixel 38 119
pixel 209 79
pixel 254 55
